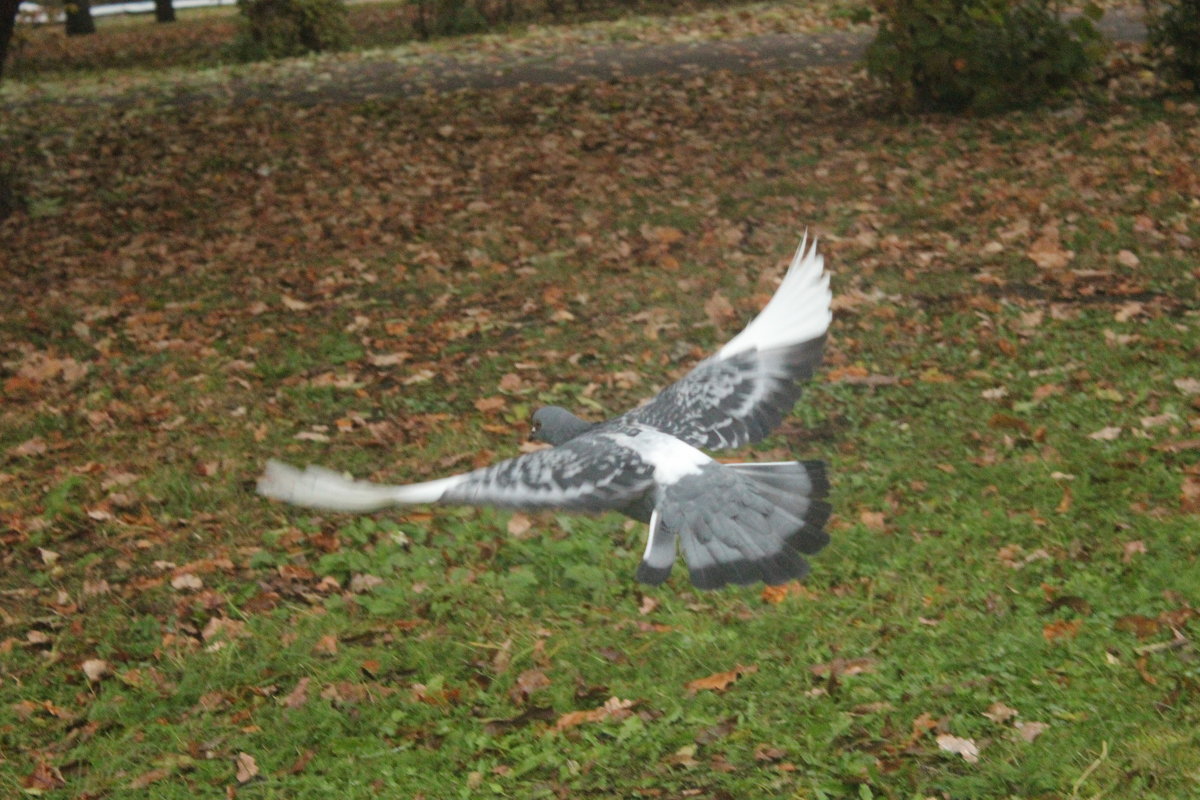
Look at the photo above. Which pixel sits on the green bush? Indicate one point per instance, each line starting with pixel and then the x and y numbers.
pixel 282 28
pixel 448 17
pixel 981 55
pixel 1174 29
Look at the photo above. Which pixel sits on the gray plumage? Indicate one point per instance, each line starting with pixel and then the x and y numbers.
pixel 735 523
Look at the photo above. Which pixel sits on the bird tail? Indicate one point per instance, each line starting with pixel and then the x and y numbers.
pixel 317 487
pixel 740 523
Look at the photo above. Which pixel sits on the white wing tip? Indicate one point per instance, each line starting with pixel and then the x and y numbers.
pixel 798 311
pixel 316 487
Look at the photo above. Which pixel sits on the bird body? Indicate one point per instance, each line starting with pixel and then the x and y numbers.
pixel 735 523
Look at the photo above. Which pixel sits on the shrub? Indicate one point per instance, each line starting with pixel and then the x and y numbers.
pixel 1174 32
pixel 982 55
pixel 281 28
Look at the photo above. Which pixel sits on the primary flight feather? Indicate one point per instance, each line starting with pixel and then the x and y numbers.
pixel 735 523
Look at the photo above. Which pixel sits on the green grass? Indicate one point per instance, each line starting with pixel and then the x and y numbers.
pixel 987 549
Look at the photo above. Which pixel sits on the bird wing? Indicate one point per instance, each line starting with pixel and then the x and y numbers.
pixel 741 393
pixel 596 472
pixel 593 472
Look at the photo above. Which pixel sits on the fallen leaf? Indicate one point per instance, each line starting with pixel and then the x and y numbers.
pixel 959 746
pixel 719 310
pixel 1061 629
pixel 30 447
pixel 298 696
pixel 187 581
pixel 1139 625
pixel 94 669
pixel 327 645
pixel 292 304
pixel 519 525
pixel 1047 251
pixel 147 778
pixel 1105 434
pixel 873 520
pixel 1188 385
pixel 526 684
pixel 720 681
pixel 247 767
pixel 1189 495
pixel 843 666
pixel 489 404
pixel 1127 258
pixel 613 708
pixel 1028 731
pixel 44 778
pixel 999 713
pixel 1130 549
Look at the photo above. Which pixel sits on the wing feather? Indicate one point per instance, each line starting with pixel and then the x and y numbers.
pixel 742 393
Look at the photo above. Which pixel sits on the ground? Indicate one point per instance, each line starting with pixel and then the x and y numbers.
pixel 1010 407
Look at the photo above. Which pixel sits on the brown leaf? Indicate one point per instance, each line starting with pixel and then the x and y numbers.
pixel 1141 626
pixel 298 696
pixel 44 778
pixel 490 404
pixel 526 684
pixel 1028 731
pixel 1105 434
pixel 327 645
pixel 719 310
pixel 519 525
pixel 1130 549
pixel 301 762
pixel 147 778
pixel 30 447
pixel 873 520
pixel 1061 629
pixel 1189 495
pixel 613 708
pixel 999 713
pixel 720 681
pixel 843 666
pixel 1047 251
pixel 247 767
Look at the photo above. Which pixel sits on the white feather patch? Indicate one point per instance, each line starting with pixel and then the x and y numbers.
pixel 797 312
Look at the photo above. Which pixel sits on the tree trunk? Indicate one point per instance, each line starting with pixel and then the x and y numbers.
pixel 164 11
pixel 8 21
pixel 79 18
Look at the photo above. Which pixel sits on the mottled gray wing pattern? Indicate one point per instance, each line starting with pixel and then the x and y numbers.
pixel 729 402
pixel 589 473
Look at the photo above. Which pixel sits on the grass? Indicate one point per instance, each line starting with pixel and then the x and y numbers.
pixel 997 573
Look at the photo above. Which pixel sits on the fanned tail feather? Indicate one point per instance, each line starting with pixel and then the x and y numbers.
pixel 741 523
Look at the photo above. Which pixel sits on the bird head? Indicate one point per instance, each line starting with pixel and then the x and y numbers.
pixel 555 425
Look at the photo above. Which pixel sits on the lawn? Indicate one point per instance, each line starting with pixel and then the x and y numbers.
pixel 1010 406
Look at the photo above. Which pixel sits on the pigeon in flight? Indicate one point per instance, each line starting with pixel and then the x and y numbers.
pixel 736 523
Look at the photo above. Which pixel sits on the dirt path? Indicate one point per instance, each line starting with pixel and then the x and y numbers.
pixel 367 79
pixel 356 78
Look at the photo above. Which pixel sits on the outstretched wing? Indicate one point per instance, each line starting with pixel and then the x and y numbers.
pixel 589 473
pixel 741 393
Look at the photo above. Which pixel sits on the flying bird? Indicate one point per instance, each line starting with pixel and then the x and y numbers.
pixel 735 523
